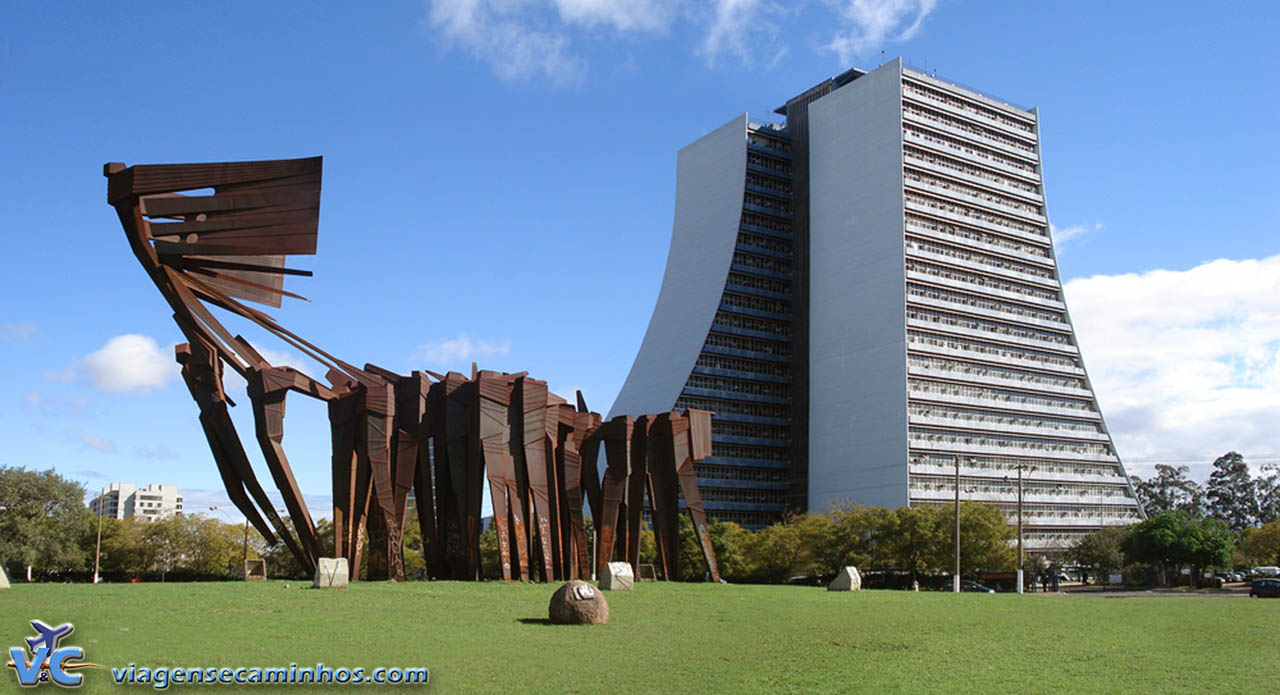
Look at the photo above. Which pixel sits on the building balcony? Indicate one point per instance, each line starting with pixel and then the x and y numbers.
pixel 747 463
pixel 750 354
pixel 765 190
pixel 951 447
pixel 998 382
pixel 990 314
pixel 978 223
pixel 743 507
pixel 759 251
pixel 967 199
pixel 1013 253
pixel 767 211
pixel 980 267
pixel 748 227
pixel 1009 361
pixel 964 424
pixel 742 484
pixel 988 403
pixel 985 290
pixel 733 396
pixel 992 336
pixel 1031 157
pixel 1082 474
pixel 971 157
pixel 996 184
pixel 738 374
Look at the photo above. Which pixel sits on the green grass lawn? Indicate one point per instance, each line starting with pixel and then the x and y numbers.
pixel 665 638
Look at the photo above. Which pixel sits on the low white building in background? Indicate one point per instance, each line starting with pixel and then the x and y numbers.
pixel 127 500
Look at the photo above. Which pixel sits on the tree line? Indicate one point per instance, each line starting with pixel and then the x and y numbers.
pixel 1172 541
pixel 46 531
pixel 1231 494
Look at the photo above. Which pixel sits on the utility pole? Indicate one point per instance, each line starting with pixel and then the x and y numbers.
pixel 1019 572
pixel 97 553
pixel 955 578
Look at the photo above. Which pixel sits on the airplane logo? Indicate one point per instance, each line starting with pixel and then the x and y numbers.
pixel 50 637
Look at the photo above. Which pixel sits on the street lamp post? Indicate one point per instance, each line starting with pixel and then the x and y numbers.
pixel 97 552
pixel 955 578
pixel 1019 571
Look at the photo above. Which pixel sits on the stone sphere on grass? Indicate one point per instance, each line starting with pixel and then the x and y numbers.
pixel 578 603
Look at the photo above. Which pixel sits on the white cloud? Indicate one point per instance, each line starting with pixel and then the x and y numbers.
pixel 55 406
pixel 505 34
pixel 744 29
pixel 1186 363
pixel 101 444
pixel 1062 235
pixel 453 351
pixel 22 333
pixel 867 25
pixel 129 363
pixel 622 15
pixel 522 40
pixel 159 451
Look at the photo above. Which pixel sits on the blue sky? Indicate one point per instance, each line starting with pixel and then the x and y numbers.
pixel 499 179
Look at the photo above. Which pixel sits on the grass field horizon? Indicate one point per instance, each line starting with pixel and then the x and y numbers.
pixel 662 638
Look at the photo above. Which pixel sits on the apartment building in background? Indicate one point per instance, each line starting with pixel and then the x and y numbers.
pixel 127 500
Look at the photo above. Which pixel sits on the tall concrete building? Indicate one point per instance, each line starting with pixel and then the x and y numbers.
pixel 126 500
pixel 868 297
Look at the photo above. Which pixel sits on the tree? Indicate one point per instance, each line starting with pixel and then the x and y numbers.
pixel 1168 490
pixel 123 549
pixel 1268 492
pixel 1174 540
pixel 282 564
pixel 915 538
pixel 730 542
pixel 785 550
pixel 985 539
pixel 856 537
pixel 1259 546
pixel 42 517
pixel 1101 550
pixel 1232 492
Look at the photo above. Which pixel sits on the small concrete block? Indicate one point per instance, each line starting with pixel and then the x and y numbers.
pixel 618 577
pixel 331 573
pixel 848 579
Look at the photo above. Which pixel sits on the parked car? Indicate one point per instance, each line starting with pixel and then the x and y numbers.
pixel 966 585
pixel 1270 571
pixel 1265 588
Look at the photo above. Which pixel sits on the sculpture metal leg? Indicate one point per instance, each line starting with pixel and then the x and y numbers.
pixel 268 401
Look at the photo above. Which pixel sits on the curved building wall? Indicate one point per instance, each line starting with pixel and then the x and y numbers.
pixel 709 190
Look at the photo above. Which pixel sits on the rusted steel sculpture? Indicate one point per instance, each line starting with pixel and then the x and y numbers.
pixel 440 436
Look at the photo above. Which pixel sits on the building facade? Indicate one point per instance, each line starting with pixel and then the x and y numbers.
pixel 868 299
pixel 126 501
